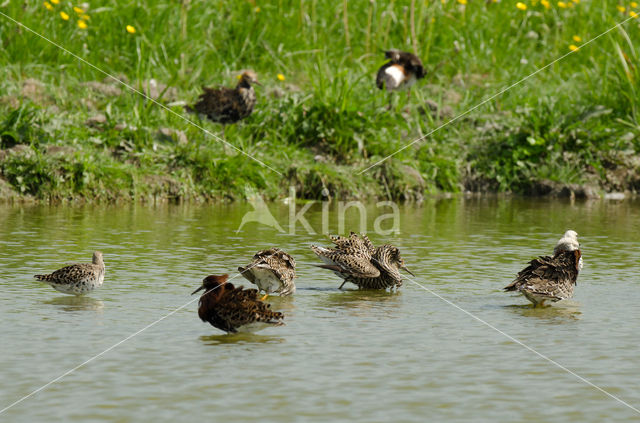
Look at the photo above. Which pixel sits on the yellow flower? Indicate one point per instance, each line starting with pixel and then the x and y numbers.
pixel 48 5
pixel 280 77
pixel 621 9
pixel 573 47
pixel 463 2
pixel 576 1
pixel 256 9
pixel 85 17
pixel 577 38
pixel 633 4
pixel 64 16
pixel 546 4
pixel 521 6
pixel 55 1
pixel 82 24
pixel 633 14
pixel 78 10
pixel 131 29
pixel 562 5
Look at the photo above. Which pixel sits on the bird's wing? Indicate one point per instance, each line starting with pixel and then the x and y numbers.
pixel 381 75
pixel 356 264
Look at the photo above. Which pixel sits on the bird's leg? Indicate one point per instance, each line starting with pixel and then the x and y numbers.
pixel 224 139
pixel 342 284
pixel 265 297
pixel 389 106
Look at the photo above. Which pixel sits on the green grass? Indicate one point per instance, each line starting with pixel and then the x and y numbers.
pixel 574 122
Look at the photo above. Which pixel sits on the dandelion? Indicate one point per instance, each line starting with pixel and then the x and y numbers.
pixel 85 17
pixel 55 1
pixel 64 16
pixel 280 77
pixel 131 29
pixel 546 4
pixel 621 8
pixel 562 5
pixel 521 6
pixel 576 1
pixel 633 4
pixel 577 38
pixel 82 24
pixel 633 14
pixel 78 10
pixel 48 5
pixel 462 2
pixel 256 9
pixel 573 47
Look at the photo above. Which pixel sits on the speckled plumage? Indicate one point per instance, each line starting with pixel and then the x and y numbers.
pixel 227 105
pixel 77 279
pixel 234 309
pixel 272 270
pixel 356 260
pixel 551 278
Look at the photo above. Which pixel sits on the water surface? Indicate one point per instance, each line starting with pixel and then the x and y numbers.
pixel 343 355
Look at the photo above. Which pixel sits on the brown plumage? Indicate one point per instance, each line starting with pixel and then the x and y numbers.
pixel 272 270
pixel 228 105
pixel 402 71
pixel 356 260
pixel 551 278
pixel 77 279
pixel 234 309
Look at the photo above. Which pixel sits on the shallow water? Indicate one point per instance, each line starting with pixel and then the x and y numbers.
pixel 343 355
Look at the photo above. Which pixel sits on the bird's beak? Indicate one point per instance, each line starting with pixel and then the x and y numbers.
pixel 257 83
pixel 408 271
pixel 199 289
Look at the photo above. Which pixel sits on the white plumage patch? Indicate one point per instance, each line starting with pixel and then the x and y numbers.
pixel 394 77
pixel 265 279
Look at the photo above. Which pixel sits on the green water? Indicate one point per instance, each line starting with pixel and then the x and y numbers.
pixel 343 355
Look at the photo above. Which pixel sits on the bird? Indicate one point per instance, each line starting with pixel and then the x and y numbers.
pixel 227 105
pixel 356 260
pixel 402 71
pixel 77 279
pixel 272 270
pixel 551 278
pixel 234 309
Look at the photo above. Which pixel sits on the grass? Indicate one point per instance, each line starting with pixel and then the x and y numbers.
pixel 575 122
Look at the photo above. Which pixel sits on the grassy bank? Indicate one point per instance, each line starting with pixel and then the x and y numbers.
pixel 68 131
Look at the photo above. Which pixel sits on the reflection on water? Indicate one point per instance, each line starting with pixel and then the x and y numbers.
pixel 241 338
pixel 75 303
pixel 372 356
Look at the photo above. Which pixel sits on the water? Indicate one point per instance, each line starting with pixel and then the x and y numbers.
pixel 353 355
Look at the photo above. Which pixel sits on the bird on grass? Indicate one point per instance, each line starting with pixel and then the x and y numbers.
pixel 234 309
pixel 271 270
pixel 77 279
pixel 551 278
pixel 356 260
pixel 228 105
pixel 402 71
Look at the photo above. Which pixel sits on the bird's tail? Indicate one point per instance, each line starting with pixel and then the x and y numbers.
pixel 45 278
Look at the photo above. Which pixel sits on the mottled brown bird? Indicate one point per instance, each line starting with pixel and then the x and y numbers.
pixel 234 309
pixel 402 71
pixel 356 260
pixel 77 279
pixel 551 278
pixel 272 270
pixel 228 105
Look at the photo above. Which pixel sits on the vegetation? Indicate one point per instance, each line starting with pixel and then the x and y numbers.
pixel 69 131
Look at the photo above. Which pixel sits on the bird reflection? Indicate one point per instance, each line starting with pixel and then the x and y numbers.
pixel 241 338
pixel 76 303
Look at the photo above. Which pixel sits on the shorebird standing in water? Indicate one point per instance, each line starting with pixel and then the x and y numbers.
pixel 271 270
pixel 77 279
pixel 402 71
pixel 356 260
pixel 234 309
pixel 551 278
pixel 228 105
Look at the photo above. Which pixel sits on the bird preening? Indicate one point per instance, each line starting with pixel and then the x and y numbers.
pixel 400 72
pixel 272 270
pixel 234 309
pixel 551 278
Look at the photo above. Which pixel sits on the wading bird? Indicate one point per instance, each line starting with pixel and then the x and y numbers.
pixel 551 278
pixel 234 309
pixel 77 279
pixel 227 105
pixel 356 260
pixel 271 270
pixel 402 71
